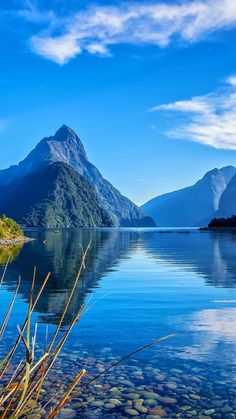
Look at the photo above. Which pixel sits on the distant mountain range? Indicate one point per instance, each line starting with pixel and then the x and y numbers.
pixel 213 195
pixel 57 186
pixel 227 204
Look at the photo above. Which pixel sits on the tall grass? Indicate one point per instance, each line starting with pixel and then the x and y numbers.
pixel 9 228
pixel 21 391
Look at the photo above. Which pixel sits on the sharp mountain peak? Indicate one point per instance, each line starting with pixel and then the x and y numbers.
pixel 64 133
pixel 65 141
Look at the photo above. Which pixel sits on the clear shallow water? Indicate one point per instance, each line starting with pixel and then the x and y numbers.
pixel 141 284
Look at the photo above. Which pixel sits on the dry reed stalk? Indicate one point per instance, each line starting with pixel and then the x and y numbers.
pixel 5 269
pixel 67 394
pixel 8 313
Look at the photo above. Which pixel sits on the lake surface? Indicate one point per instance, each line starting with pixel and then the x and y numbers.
pixel 139 285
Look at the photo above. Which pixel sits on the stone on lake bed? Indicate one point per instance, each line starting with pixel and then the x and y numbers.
pixel 66 413
pixel 116 402
pixel 167 400
pixel 185 408
pixel 192 412
pixel 126 383
pixel 150 402
pixel 149 395
pixel 226 409
pixel 176 371
pixel 160 377
pixel 194 379
pixel 131 412
pixel 140 408
pixel 99 366
pixel 157 411
pixel 109 406
pixel 171 386
pixel 114 389
pixel 136 373
pixel 139 401
pixel 209 411
pixel 195 397
pixel 98 386
pixel 132 396
pixel 73 357
pixel 115 394
pixel 97 403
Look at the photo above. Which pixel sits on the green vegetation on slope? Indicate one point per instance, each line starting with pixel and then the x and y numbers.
pixel 9 229
pixel 55 196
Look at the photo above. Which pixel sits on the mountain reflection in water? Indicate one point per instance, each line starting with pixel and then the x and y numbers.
pixel 208 254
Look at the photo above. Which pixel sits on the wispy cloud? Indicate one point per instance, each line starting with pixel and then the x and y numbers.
pixel 29 11
pixel 209 119
pixel 97 28
pixel 32 13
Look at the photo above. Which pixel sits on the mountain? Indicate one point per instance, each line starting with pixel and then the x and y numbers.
pixel 191 206
pixel 227 204
pixel 65 148
pixel 54 196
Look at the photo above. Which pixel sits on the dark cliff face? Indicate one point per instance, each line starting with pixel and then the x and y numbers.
pixel 66 147
pixel 194 205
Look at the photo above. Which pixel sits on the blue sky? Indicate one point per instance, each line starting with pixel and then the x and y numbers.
pixel 150 87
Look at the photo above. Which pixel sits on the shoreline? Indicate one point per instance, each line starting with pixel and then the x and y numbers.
pixel 14 241
pixel 217 229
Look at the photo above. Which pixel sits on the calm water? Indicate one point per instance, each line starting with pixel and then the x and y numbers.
pixel 140 285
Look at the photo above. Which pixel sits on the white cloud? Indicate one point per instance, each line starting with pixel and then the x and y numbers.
pixel 98 49
pixel 97 28
pixel 210 119
pixel 231 80
pixel 59 49
pixel 195 105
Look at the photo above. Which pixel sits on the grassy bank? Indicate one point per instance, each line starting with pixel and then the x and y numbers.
pixel 9 229
pixel 10 232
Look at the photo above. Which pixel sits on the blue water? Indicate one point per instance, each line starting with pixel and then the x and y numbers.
pixel 138 285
